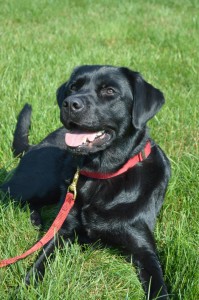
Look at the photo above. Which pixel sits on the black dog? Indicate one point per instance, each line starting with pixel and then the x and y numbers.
pixel 104 110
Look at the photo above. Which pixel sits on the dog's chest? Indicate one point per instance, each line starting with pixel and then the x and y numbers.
pixel 99 206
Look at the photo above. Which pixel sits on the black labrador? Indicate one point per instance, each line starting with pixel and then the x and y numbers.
pixel 104 111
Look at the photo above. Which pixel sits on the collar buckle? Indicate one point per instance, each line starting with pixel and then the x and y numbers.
pixel 73 186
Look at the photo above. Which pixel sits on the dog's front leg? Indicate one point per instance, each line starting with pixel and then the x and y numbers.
pixel 38 268
pixel 139 242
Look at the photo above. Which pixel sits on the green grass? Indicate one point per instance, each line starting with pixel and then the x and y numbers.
pixel 41 42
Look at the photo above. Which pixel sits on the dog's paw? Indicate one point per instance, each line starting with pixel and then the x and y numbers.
pixel 27 279
pixel 35 219
pixel 33 277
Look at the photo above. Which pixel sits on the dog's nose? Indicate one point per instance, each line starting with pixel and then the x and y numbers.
pixel 75 105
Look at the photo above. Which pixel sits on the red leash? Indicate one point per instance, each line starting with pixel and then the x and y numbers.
pixel 56 225
pixel 70 200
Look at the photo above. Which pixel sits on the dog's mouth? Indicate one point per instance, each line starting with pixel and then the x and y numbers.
pixel 85 141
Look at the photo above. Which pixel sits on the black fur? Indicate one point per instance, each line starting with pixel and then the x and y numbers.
pixel 120 211
pixel 20 142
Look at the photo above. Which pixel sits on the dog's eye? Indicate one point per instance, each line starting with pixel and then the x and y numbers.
pixel 73 87
pixel 107 91
pixel 77 84
pixel 110 91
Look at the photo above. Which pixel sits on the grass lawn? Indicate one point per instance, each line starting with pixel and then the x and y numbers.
pixel 41 42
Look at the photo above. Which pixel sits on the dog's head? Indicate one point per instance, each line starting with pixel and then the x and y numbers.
pixel 100 104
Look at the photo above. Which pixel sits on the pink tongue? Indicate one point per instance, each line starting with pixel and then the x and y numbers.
pixel 76 138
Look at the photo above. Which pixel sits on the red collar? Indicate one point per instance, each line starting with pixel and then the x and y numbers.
pixel 128 165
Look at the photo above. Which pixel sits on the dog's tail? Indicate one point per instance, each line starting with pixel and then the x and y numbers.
pixel 21 142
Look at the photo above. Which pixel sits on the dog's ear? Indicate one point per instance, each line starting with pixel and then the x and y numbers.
pixel 61 94
pixel 147 100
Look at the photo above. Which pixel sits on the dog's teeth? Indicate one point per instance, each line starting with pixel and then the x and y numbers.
pixel 88 140
pixel 100 133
